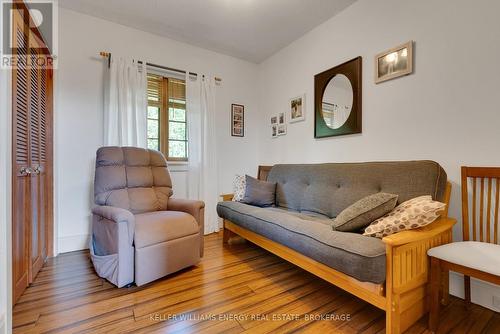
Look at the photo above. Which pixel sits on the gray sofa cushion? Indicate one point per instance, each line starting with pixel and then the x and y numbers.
pixel 353 254
pixel 363 212
pixel 260 193
pixel 316 217
pixel 330 188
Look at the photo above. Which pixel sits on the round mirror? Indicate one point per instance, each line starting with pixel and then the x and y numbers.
pixel 337 100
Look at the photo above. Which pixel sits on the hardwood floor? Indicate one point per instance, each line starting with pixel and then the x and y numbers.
pixel 242 282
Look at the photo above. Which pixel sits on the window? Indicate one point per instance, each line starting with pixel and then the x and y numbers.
pixel 167 128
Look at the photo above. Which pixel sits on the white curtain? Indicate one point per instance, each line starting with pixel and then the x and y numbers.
pixel 202 153
pixel 125 104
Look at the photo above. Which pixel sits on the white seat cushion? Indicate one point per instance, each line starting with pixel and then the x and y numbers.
pixel 472 254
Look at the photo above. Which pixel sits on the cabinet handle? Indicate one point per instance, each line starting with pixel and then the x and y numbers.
pixel 25 171
pixel 37 170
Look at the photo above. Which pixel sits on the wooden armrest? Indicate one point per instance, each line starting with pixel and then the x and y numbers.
pixel 227 197
pixel 426 232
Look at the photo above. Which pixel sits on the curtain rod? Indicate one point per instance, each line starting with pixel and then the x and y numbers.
pixel 108 55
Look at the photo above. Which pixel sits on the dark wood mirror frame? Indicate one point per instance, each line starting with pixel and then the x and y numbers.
pixel 352 70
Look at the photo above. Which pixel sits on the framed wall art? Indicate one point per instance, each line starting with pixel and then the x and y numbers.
pixel 281 118
pixel 394 63
pixel 281 129
pixel 237 120
pixel 297 111
pixel 274 131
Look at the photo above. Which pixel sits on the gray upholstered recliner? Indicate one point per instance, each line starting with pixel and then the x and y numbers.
pixel 140 233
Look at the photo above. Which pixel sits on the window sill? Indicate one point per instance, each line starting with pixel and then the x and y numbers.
pixel 176 163
pixel 177 166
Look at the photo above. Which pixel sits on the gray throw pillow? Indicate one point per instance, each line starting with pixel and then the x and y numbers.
pixel 259 193
pixel 364 211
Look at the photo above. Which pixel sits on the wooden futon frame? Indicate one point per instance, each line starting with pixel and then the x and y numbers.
pixel 404 295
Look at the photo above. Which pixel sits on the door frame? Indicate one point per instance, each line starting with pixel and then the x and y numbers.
pixel 6 197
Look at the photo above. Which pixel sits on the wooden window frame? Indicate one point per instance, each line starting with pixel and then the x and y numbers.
pixel 157 105
pixel 163 127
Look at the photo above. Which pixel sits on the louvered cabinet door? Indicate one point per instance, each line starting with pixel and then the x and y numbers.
pixel 32 160
pixel 21 210
pixel 40 153
pixel 38 212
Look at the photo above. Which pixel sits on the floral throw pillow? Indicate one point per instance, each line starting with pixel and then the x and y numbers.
pixel 239 185
pixel 414 213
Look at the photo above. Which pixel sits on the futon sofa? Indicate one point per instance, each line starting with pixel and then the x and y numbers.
pixel 139 232
pixel 390 273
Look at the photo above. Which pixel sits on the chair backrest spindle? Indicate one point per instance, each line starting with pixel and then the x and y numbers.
pixel 487 224
pixel 495 223
pixel 481 211
pixel 474 201
pixel 488 213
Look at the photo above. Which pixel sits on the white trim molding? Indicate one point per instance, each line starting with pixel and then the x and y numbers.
pixel 73 243
pixel 482 293
pixel 5 202
pixel 2 323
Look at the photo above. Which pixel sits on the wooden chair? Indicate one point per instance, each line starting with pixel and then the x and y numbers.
pixel 478 256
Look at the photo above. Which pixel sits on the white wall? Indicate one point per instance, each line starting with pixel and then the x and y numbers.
pixel 5 203
pixel 79 112
pixel 447 111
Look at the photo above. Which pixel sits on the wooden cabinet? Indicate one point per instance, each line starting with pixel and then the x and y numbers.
pixel 32 185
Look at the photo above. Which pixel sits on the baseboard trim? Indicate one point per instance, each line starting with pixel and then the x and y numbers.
pixel 2 324
pixel 73 243
pixel 482 292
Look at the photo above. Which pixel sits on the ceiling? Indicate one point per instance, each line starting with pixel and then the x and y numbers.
pixel 251 30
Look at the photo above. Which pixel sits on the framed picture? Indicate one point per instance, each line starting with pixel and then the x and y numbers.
pixel 394 63
pixel 274 120
pixel 274 131
pixel 281 118
pixel 237 120
pixel 281 129
pixel 297 109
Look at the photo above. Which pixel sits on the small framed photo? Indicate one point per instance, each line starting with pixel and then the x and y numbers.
pixel 394 63
pixel 281 118
pixel 237 120
pixel 274 131
pixel 274 120
pixel 297 109
pixel 281 129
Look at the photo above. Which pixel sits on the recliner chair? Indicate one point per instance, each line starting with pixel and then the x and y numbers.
pixel 140 233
